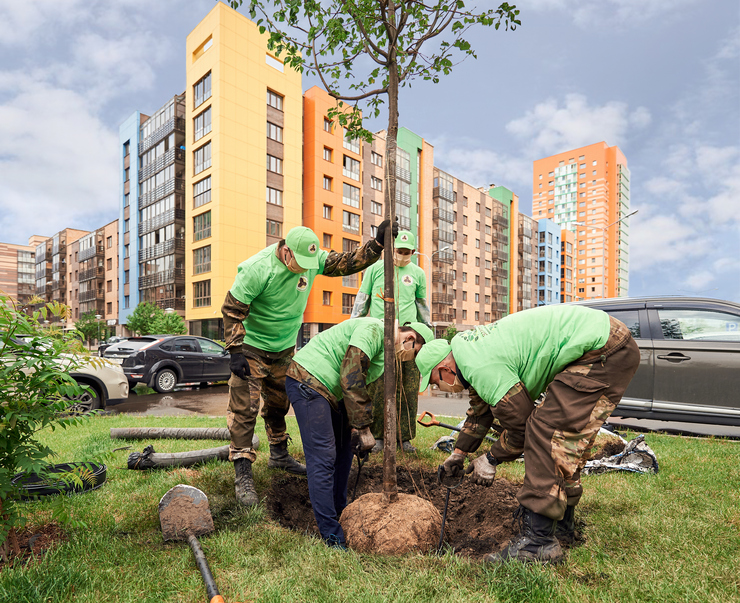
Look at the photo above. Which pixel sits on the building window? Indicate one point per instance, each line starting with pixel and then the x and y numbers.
pixel 376 183
pixel 202 260
pixel 350 222
pixel 126 148
pixel 274 196
pixel 274 228
pixel 109 243
pixel 126 200
pixel 202 294
pixel 327 240
pixel 274 132
pixel 376 159
pixel 126 252
pixel 109 286
pixel 202 192
pixel 488 317
pixel 126 175
pixel 126 277
pixel 327 183
pixel 202 124
pixel 202 226
pixel 477 316
pixel 477 295
pixel 348 300
pixel 274 164
pixel 477 243
pixel 109 264
pixel 465 280
pixel 327 212
pixel 351 168
pixel 465 258
pixel 327 125
pixel 351 144
pixel 126 225
pixel 373 231
pixel 274 100
pixel 328 154
pixel 202 158
pixel 376 208
pixel 350 195
pixel 326 298
pixel 126 302
pixel 109 308
pixel 202 90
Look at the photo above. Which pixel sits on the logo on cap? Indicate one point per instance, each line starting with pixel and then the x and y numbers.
pixel 312 248
pixel 407 280
pixel 404 237
pixel 302 283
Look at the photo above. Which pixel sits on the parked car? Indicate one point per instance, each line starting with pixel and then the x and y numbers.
pixel 689 358
pixel 107 343
pixel 163 361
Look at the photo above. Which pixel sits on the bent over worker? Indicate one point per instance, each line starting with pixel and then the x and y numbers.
pixel 583 360
pixel 410 287
pixel 327 385
pixel 262 316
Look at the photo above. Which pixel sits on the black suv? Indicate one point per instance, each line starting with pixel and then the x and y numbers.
pixel 689 358
pixel 163 361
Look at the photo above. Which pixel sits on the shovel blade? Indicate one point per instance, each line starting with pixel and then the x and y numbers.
pixel 184 510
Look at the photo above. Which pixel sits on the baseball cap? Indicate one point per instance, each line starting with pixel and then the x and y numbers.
pixel 430 356
pixel 405 240
pixel 422 330
pixel 304 244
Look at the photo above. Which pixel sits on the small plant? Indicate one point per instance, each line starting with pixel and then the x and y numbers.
pixel 449 333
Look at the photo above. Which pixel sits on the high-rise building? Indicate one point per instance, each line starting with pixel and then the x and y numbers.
pixel 18 269
pixel 548 262
pixel 586 191
pixel 567 271
pixel 527 265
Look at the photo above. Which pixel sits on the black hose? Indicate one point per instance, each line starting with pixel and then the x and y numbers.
pixel 148 459
pixel 202 563
pixel 444 519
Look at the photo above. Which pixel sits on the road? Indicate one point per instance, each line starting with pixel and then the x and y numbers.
pixel 212 401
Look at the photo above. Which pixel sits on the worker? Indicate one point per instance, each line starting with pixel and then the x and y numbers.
pixel 583 360
pixel 327 384
pixel 410 287
pixel 262 315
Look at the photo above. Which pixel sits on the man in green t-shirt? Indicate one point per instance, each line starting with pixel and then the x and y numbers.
pixel 327 384
pixel 410 286
pixel 583 360
pixel 262 315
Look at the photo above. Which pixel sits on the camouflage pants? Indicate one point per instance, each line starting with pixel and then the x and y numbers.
pixel 555 435
pixel 407 402
pixel 268 382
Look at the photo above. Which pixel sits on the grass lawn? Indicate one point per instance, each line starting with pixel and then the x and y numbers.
pixel 670 537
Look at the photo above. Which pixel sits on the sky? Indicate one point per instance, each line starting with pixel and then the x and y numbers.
pixel 658 78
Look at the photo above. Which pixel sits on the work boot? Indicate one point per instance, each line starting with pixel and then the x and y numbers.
pixel 407 447
pixel 378 447
pixel 536 541
pixel 281 459
pixel 565 530
pixel 246 495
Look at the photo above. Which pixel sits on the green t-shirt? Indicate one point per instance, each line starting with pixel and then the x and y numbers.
pixel 530 346
pixel 410 283
pixel 323 355
pixel 276 297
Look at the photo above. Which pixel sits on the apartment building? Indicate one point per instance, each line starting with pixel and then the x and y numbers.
pixel 548 262
pixel 567 271
pixel 18 269
pixel 243 177
pixel 527 264
pixel 586 191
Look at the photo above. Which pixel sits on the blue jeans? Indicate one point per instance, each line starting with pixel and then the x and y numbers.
pixel 325 434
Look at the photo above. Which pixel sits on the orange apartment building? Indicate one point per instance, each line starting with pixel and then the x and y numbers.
pixel 586 192
pixel 18 269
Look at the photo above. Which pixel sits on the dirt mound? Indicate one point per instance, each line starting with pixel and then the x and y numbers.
pixel 607 446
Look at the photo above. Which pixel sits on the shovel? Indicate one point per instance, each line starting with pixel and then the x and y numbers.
pixel 184 514
pixel 450 484
pixel 433 421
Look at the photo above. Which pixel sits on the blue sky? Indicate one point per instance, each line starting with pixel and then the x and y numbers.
pixel 658 78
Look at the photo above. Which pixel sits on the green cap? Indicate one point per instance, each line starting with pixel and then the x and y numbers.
pixel 304 244
pixel 422 330
pixel 430 356
pixel 405 240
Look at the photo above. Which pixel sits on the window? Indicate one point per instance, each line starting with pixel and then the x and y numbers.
pixel 376 159
pixel 327 241
pixel 373 231
pixel 477 295
pixel 126 251
pixel 126 225
pixel 465 220
pixel 348 301
pixel 327 183
pixel 202 226
pixel 109 286
pixel 126 148
pixel 274 228
pixel 274 196
pixel 465 258
pixel 477 243
pixel 109 242
pixel 465 296
pixel 477 316
pixel 328 154
pixel 274 164
pixel 202 158
pixel 202 294
pixel 109 264
pixel 109 308
pixel 488 247
pixel 326 298
pixel 274 132
pixel 126 302
pixel 275 63
pixel 202 192
pixel 594 162
pixel 327 212
pixel 477 208
pixel 477 282
pixel 274 100
pixel 465 277
pixel 477 224
pixel 202 90
pixel 351 144
pixel 376 208
pixel 126 277
pixel 350 195
pixel 465 315
pixel 327 125
pixel 699 325
pixel 202 124
pixel 376 183
pixel 350 222
pixel 126 175
pixel 202 260
pixel 126 200
pixel 351 168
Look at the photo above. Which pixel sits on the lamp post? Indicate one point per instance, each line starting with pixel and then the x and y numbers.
pixel 98 317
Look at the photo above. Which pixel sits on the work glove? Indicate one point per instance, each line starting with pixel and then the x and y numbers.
pixel 453 465
pixel 380 236
pixel 361 441
pixel 483 469
pixel 239 365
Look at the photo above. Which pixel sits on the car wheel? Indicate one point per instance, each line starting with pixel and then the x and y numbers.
pixel 165 381
pixel 88 400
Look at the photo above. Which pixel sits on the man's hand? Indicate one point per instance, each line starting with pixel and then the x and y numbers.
pixel 380 236
pixel 483 469
pixel 361 441
pixel 239 365
pixel 453 465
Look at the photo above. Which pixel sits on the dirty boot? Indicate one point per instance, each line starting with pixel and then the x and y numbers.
pixel 378 447
pixel 246 495
pixel 536 541
pixel 565 530
pixel 281 459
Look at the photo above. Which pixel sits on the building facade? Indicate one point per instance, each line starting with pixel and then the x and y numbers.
pixel 18 270
pixel 567 263
pixel 548 262
pixel 526 267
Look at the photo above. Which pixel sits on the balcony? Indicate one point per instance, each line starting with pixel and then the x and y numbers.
pixel 526 264
pixel 175 304
pixel 175 185
pixel 88 296
pixel 443 235
pixel 445 257
pixel 500 254
pixel 58 284
pixel 161 162
pixel 174 276
pixel 502 238
pixel 445 299
pixel 404 222
pixel 444 278
pixel 437 318
pixel 525 232
pixel 91 273
pixel 441 214
pixel 171 125
pixel 403 174
pixel 43 290
pixel 43 272
pixel 501 273
pixel 444 194
pixel 501 221
pixel 171 216
pixel 502 290
pixel 91 252
pixel 403 198
pixel 161 249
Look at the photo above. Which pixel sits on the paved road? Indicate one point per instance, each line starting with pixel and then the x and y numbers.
pixel 212 401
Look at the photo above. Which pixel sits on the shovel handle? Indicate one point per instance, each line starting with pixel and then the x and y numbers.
pixel 205 571
pixel 432 419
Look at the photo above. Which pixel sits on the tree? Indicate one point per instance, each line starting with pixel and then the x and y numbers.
pixel 170 324
pixel 334 39
pixel 449 333
pixel 142 319
pixel 89 326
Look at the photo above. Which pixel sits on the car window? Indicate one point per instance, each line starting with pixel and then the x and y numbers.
pixel 186 345
pixel 210 347
pixel 631 318
pixel 699 325
pixel 167 347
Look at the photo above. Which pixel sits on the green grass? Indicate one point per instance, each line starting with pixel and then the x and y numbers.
pixel 670 537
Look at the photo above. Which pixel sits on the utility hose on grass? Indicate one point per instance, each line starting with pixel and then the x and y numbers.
pixel 171 433
pixel 149 459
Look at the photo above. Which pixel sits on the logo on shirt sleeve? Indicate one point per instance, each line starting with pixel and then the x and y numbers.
pixel 302 283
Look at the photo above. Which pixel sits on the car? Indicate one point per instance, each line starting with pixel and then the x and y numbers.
pixel 689 358
pixel 108 342
pixel 106 382
pixel 163 361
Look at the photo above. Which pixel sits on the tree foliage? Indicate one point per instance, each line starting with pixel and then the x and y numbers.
pixel 89 326
pixel 148 319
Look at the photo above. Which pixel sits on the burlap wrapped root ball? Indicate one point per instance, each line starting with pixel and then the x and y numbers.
pixel 372 525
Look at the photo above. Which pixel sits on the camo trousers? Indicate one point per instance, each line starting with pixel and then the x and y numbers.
pixel 268 382
pixel 407 402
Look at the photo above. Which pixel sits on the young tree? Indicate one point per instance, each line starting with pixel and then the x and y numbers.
pixel 89 326
pixel 334 40
pixel 169 324
pixel 142 320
